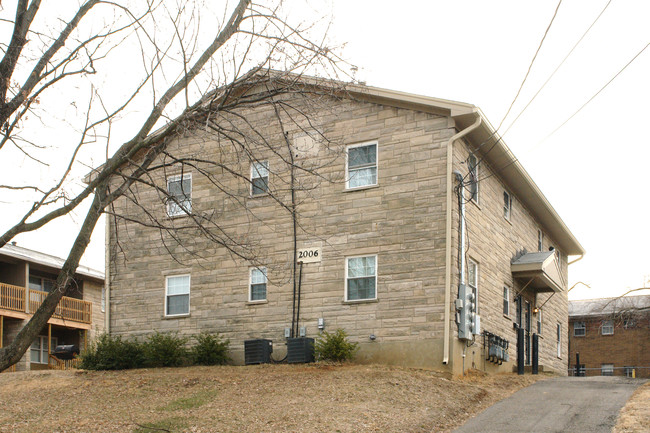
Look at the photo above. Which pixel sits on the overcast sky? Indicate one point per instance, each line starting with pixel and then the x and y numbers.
pixel 593 169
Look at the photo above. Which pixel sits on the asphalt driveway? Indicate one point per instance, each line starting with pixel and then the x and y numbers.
pixel 561 404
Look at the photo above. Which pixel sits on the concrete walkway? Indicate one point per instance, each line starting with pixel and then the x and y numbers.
pixel 561 404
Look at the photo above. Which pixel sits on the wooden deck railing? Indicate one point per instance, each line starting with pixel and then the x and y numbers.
pixel 73 309
pixel 12 297
pixel 63 364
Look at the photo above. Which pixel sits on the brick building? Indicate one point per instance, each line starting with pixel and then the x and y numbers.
pixel 611 335
pixel 26 277
pixel 403 184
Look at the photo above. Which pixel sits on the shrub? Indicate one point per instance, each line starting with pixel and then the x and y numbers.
pixel 335 346
pixel 210 349
pixel 112 353
pixel 165 350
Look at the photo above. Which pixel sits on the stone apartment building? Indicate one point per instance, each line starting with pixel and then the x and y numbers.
pixel 388 188
pixel 26 277
pixel 611 336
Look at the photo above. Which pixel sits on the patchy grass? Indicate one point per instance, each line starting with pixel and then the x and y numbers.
pixel 635 415
pixel 252 399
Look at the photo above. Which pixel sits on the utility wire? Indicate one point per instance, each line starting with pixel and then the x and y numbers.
pixel 558 67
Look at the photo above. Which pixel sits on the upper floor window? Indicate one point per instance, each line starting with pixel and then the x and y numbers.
pixel 473 167
pixel 629 323
pixel 177 295
pixel 179 195
pixel 361 278
pixel 507 205
pixel 40 283
pixel 540 240
pixel 539 321
pixel 579 329
pixel 260 178
pixel 258 281
pixel 506 301
pixel 361 165
pixel 608 327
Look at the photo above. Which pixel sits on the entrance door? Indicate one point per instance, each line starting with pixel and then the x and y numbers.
pixel 527 327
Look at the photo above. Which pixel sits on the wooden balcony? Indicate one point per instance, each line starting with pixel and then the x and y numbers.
pixel 13 300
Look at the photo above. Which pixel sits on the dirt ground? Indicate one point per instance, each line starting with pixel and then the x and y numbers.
pixel 265 398
pixel 635 416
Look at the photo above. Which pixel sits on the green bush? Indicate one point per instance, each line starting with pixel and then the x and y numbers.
pixel 334 346
pixel 165 350
pixel 112 353
pixel 210 349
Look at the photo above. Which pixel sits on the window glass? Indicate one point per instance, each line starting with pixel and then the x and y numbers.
pixel 361 278
pixel 178 295
pixel 179 190
pixel 579 329
pixel 362 165
pixel 608 327
pixel 258 284
pixel 559 340
pixel 607 369
pixel 260 178
pixel 506 301
pixel 539 321
pixel 507 205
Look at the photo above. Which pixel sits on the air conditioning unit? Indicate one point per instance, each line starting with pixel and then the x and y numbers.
pixel 257 351
pixel 300 350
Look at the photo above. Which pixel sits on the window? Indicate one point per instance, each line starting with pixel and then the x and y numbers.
pixel 507 205
pixel 472 280
pixel 179 192
pixel 361 278
pixel 41 284
pixel 608 327
pixel 38 350
pixel 177 295
pixel 539 321
pixel 607 369
pixel 257 290
pixel 579 329
pixel 629 371
pixel 472 165
pixel 540 240
pixel 629 323
pixel 519 310
pixel 362 165
pixel 506 301
pixel 259 178
pixel 559 340
pixel 103 300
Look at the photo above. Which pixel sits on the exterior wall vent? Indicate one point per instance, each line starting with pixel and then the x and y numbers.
pixel 257 351
pixel 300 350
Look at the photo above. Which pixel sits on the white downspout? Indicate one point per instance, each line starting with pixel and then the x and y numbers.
pixel 107 276
pixel 450 161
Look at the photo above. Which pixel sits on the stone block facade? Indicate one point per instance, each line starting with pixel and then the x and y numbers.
pixel 399 221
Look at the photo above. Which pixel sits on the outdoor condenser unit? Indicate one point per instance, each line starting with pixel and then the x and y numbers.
pixel 300 350
pixel 257 351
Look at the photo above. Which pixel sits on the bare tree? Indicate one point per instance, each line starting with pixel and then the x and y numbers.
pixel 178 63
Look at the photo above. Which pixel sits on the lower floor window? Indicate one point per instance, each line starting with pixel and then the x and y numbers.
pixel 361 278
pixel 177 295
pixel 257 290
pixel 38 351
pixel 607 369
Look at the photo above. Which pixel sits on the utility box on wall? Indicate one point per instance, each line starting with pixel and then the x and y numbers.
pixel 300 350
pixel 257 351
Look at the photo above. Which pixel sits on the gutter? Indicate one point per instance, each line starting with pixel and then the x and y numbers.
pixel 450 144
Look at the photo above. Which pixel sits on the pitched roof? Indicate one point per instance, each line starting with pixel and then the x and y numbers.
pixel 606 306
pixel 33 256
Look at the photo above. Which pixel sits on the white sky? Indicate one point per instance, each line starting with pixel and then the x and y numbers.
pixel 593 170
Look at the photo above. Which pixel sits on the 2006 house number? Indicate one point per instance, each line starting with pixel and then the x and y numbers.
pixel 309 255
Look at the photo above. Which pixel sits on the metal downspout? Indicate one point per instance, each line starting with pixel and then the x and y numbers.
pixel 450 144
pixel 107 275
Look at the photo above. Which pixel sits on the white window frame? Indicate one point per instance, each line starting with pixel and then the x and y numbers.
pixel 583 328
pixel 256 167
pixel 539 321
pixel 607 325
pixel 347 259
pixel 189 291
pixel 348 176
pixel 607 369
pixel 506 301
pixel 250 284
pixel 473 172
pixel 540 240
pixel 473 284
pixel 559 340
pixel 507 205
pixel 41 349
pixel 175 209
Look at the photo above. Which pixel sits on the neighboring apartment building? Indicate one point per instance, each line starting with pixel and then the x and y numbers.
pixel 379 233
pixel 611 336
pixel 26 276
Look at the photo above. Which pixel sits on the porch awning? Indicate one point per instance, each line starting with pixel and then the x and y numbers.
pixel 538 272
